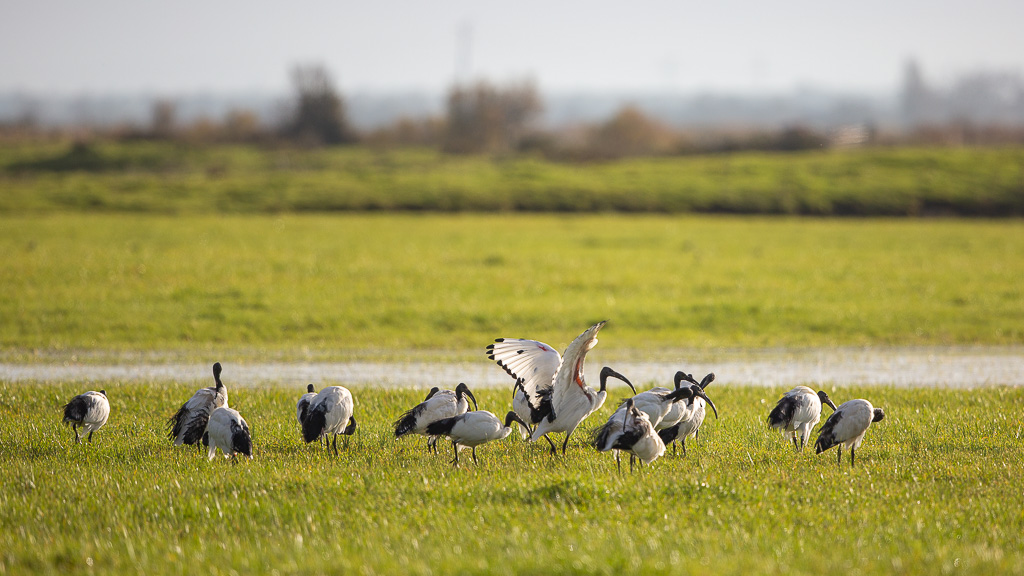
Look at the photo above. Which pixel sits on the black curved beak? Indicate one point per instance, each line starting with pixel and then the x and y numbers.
pixel 701 394
pixel 606 372
pixel 471 397
pixel 830 403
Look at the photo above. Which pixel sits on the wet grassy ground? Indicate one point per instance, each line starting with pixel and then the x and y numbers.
pixel 936 489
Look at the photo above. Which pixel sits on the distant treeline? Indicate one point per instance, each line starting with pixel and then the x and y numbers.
pixel 172 178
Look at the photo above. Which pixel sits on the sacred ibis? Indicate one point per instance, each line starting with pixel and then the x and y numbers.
pixel 692 417
pixel 797 412
pixel 89 410
pixel 438 405
pixel 331 412
pixel 847 426
pixel 550 389
pixel 657 402
pixel 629 429
pixel 188 425
pixel 228 431
pixel 472 429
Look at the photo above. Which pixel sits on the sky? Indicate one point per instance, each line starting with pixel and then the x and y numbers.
pixel 74 47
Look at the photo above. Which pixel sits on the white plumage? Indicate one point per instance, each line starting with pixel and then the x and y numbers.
pixel 228 432
pixel 89 410
pixel 438 405
pixel 846 427
pixel 331 412
pixel 797 412
pixel 188 424
pixel 550 389
pixel 472 429
pixel 691 413
pixel 629 429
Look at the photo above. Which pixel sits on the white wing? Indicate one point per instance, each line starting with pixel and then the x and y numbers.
pixel 569 386
pixel 533 364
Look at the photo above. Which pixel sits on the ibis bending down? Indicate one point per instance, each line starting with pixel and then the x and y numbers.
pixel 629 429
pixel 472 429
pixel 303 406
pixel 659 403
pixel 331 412
pixel 847 426
pixel 89 410
pixel 438 405
pixel 228 431
pixel 550 389
pixel 797 412
pixel 188 425
pixel 691 416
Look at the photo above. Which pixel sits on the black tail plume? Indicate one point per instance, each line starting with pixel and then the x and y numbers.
pixel 315 422
pixel 442 427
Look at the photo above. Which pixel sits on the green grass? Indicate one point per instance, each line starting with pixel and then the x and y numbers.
pixel 140 177
pixel 389 285
pixel 936 490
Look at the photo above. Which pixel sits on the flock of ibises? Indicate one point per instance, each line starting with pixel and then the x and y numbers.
pixel 550 395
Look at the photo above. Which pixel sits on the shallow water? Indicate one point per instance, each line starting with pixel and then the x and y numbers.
pixel 930 367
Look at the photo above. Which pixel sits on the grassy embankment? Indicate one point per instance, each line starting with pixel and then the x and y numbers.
pixel 936 490
pixel 384 285
pixel 169 179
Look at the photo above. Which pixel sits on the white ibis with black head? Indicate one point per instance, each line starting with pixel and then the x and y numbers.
pixel 331 412
pixel 188 424
pixel 550 389
pixel 89 410
pixel 472 429
pixel 629 429
pixel 227 431
pixel 797 412
pixel 846 427
pixel 692 417
pixel 438 405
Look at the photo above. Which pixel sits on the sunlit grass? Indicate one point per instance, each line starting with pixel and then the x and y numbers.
pixel 390 284
pixel 936 489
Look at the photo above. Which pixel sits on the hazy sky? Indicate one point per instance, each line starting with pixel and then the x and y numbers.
pixel 187 46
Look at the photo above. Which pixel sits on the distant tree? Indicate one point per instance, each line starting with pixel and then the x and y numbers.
pixel 319 112
pixel 483 118
pixel 630 133
pixel 163 119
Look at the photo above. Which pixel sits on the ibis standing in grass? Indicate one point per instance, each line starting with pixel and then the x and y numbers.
pixel 691 418
pixel 846 427
pixel 551 391
pixel 438 405
pixel 797 412
pixel 228 431
pixel 629 429
pixel 188 424
pixel 89 410
pixel 331 412
pixel 472 429
pixel 303 406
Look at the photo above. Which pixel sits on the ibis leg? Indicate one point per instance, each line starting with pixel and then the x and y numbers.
pixel 683 442
pixel 618 461
pixel 839 455
pixel 455 448
pixel 553 449
pixel 565 444
pixel 673 448
pixel 853 453
pixel 335 444
pixel 474 455
pixel 795 445
pixel 631 459
pixel 90 436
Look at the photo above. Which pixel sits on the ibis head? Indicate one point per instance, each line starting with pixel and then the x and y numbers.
pixel 607 372
pixel 463 390
pixel 826 400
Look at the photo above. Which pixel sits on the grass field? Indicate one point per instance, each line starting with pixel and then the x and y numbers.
pixel 389 285
pixel 936 490
pixel 147 177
